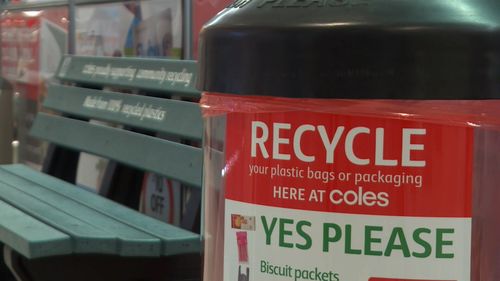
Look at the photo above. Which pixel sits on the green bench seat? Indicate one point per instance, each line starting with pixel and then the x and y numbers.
pixel 55 230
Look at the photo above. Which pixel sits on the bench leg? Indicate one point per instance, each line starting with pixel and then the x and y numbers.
pixel 13 262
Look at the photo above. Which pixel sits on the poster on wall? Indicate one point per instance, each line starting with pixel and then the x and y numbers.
pixel 18 2
pixel 32 44
pixel 144 29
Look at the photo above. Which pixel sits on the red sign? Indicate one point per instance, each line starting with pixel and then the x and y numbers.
pixel 349 164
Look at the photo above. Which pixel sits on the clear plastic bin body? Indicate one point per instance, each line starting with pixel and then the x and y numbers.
pixel 350 190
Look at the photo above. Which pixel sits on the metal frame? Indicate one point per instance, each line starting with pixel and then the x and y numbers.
pixel 187 28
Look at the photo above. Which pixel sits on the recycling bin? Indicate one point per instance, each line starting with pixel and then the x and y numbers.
pixel 352 140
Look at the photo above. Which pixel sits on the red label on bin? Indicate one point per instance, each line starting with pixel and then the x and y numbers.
pixel 403 279
pixel 349 164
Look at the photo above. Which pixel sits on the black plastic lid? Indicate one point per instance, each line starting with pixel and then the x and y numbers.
pixel 377 49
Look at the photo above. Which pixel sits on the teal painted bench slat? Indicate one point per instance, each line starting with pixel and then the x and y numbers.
pixel 138 150
pixel 130 241
pixel 87 238
pixel 155 127
pixel 174 240
pixel 159 75
pixel 164 115
pixel 29 236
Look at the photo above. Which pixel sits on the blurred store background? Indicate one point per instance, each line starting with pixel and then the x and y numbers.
pixel 35 34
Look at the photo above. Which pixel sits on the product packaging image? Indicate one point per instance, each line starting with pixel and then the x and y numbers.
pixel 352 141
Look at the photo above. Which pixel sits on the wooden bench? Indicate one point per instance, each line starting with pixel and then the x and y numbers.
pixel 55 230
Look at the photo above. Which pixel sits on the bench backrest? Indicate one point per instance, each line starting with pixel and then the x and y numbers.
pixel 161 101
